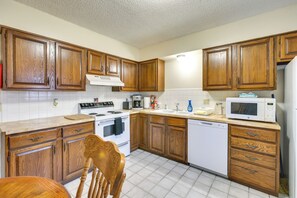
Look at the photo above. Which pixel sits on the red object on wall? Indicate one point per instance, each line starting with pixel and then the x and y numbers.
pixel 1 77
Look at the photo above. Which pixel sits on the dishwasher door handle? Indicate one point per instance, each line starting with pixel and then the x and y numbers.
pixel 206 123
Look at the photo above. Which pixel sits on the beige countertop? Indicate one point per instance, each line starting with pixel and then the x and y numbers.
pixel 15 127
pixel 212 118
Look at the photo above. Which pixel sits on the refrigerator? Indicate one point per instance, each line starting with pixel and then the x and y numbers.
pixel 291 121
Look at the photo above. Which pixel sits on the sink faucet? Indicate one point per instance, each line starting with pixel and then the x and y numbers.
pixel 165 106
pixel 177 104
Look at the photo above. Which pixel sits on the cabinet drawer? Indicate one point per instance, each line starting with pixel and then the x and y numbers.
pixel 258 159
pixel 253 175
pixel 178 122
pixel 78 129
pixel 254 133
pixel 252 145
pixel 157 119
pixel 33 138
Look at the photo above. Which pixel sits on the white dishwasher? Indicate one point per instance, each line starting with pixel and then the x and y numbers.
pixel 208 146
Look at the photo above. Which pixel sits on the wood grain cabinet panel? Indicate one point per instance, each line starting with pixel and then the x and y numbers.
pixel 29 61
pixel 152 75
pixel 157 138
pixel 217 68
pixel 129 75
pixel 287 47
pixel 113 66
pixel 96 63
pixel 37 160
pixel 176 143
pixel 143 131
pixel 134 131
pixel 255 64
pixel 73 156
pixel 71 66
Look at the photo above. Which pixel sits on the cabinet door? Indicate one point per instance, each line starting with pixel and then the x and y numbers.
pixel 73 156
pixel 255 64
pixel 157 138
pixel 148 76
pixel 176 143
pixel 287 47
pixel 217 68
pixel 143 132
pixel 134 132
pixel 96 63
pixel 70 67
pixel 129 75
pixel 112 66
pixel 30 61
pixel 38 160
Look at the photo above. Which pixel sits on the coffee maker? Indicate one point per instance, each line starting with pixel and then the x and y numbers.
pixel 137 102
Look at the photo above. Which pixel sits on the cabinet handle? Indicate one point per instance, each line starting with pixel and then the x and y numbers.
pixel 238 80
pixel 250 170
pixel 64 146
pixel 54 150
pixel 102 68
pixel 57 81
pixel 251 134
pixel 35 139
pixel 251 146
pixel 48 80
pixel 251 158
pixel 230 81
pixel 78 130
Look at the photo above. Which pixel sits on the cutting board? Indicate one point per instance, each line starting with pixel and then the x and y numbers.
pixel 77 117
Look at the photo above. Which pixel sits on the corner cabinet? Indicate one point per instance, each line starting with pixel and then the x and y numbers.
pixel 247 65
pixel 152 75
pixel 71 66
pixel 217 61
pixel 286 47
pixel 29 61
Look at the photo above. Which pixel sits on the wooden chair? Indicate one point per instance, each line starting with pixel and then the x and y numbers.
pixel 108 174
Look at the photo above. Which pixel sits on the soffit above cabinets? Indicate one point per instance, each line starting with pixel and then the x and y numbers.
pixel 146 22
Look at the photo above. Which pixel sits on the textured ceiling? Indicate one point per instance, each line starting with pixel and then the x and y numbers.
pixel 141 23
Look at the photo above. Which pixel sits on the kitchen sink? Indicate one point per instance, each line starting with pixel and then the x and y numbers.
pixel 171 111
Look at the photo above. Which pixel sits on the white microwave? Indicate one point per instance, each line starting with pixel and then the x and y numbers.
pixel 259 109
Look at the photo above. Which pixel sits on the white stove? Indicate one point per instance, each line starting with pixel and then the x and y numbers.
pixel 110 124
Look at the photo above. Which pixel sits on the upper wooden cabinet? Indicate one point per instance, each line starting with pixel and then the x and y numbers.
pixel 71 66
pixel 152 75
pixel 129 75
pixel 112 65
pixel 248 65
pixel 286 47
pixel 217 61
pixel 29 60
pixel 255 64
pixel 96 63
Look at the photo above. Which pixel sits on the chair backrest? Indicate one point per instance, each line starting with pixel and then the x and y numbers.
pixel 108 168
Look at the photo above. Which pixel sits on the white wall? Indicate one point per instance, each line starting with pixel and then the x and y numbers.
pixel 23 17
pixel 278 21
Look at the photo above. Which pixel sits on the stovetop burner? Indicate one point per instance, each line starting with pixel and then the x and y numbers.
pixel 93 113
pixel 114 112
pixel 101 114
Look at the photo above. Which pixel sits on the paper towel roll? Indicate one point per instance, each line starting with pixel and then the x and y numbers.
pixel 146 102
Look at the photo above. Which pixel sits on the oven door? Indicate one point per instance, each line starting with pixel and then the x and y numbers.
pixel 245 109
pixel 105 129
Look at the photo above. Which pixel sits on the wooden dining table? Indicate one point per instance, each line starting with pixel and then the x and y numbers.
pixel 30 187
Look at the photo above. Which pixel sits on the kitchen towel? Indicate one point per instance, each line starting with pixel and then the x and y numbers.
pixel 118 127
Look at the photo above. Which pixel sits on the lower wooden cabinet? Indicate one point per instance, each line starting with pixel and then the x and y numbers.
pixel 134 126
pixel 157 138
pixel 48 153
pixel 143 131
pixel 176 142
pixel 254 158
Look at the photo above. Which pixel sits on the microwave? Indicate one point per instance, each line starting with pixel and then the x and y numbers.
pixel 258 109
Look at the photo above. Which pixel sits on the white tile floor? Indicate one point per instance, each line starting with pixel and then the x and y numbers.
pixel 150 175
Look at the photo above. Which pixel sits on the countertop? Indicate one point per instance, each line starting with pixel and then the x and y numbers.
pixel 15 127
pixel 212 118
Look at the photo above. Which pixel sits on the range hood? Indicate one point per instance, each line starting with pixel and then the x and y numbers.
pixel 104 80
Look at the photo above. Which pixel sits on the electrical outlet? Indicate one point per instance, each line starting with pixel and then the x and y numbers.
pixel 206 101
pixel 55 102
pixel 0 107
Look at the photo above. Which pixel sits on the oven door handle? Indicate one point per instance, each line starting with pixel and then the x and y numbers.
pixel 123 144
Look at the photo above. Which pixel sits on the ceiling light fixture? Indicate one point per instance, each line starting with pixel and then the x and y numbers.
pixel 180 58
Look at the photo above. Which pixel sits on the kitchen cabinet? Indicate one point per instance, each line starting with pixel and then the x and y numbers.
pixel 134 131
pixel 29 61
pixel 152 75
pixel 113 66
pixel 71 67
pixel 217 61
pixel 286 47
pixel 247 65
pixel 254 157
pixel 157 138
pixel 96 62
pixel 53 153
pixel 129 75
pixel 143 131
pixel 255 64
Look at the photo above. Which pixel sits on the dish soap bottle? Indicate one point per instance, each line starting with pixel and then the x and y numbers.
pixel 190 107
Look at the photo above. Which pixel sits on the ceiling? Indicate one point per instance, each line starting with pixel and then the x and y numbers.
pixel 141 23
